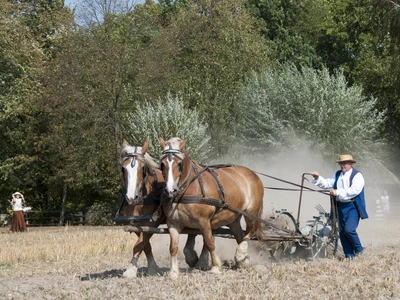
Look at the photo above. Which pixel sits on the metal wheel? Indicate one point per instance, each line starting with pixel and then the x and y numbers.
pixel 279 250
pixel 325 232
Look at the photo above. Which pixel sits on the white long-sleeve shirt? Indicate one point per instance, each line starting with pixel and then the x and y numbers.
pixel 345 192
pixel 17 205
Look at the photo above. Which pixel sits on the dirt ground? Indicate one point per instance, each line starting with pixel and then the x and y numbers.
pixel 99 276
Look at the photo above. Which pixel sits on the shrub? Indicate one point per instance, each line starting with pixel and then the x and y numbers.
pixel 99 214
pixel 168 118
pixel 287 108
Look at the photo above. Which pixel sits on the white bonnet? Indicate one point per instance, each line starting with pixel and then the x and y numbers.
pixel 18 193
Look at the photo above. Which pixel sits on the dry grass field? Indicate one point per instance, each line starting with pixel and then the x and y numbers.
pixel 88 262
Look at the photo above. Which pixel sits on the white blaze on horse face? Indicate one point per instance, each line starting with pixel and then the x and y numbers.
pixel 132 189
pixel 172 183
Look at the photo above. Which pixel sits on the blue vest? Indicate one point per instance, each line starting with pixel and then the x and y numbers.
pixel 359 200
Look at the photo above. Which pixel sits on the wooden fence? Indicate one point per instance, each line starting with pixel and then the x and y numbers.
pixel 52 218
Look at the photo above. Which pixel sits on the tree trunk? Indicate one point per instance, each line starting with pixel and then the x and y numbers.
pixel 63 204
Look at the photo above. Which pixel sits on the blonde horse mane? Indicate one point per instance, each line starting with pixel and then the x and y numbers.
pixel 174 143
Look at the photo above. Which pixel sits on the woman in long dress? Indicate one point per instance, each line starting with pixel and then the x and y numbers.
pixel 18 221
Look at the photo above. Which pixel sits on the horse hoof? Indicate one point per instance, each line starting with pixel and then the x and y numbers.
pixel 241 253
pixel 152 271
pixel 215 270
pixel 174 275
pixel 242 263
pixel 202 266
pixel 192 261
pixel 131 272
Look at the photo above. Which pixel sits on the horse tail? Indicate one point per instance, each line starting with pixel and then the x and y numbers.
pixel 260 232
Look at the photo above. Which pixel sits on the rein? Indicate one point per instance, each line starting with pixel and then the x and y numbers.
pixel 325 192
pixel 296 190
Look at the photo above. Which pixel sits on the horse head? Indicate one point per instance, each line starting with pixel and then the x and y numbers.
pixel 175 165
pixel 136 166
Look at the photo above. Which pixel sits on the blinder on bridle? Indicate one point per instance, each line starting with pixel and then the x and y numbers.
pixel 174 152
pixel 132 155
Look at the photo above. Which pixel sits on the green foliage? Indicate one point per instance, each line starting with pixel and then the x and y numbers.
pixel 178 68
pixel 285 107
pixel 45 19
pixel 20 60
pixel 203 51
pixel 362 39
pixel 290 28
pixel 99 214
pixel 168 118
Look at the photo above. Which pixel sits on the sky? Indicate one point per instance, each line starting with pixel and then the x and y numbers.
pixel 72 3
pixel 69 3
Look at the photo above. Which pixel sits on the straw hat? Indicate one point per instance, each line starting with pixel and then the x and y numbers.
pixel 345 157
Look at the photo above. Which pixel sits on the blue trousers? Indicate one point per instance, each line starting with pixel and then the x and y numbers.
pixel 349 218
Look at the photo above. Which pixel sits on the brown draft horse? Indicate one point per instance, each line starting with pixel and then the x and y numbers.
pixel 237 186
pixel 143 189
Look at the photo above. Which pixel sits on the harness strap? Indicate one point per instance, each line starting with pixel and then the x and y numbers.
pixel 200 179
pixel 195 199
pixel 148 200
pixel 219 166
pixel 158 213
pixel 187 181
pixel 198 176
pixel 220 187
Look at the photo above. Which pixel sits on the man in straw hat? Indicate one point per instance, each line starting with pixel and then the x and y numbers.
pixel 18 222
pixel 347 185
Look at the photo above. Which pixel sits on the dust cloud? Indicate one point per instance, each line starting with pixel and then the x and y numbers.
pixel 289 166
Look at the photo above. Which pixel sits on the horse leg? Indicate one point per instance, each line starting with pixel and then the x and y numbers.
pixel 191 256
pixel 131 271
pixel 173 250
pixel 236 230
pixel 142 244
pixel 241 255
pixel 203 262
pixel 152 267
pixel 206 231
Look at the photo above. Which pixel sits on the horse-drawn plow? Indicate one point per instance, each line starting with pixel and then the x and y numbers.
pixel 158 204
pixel 282 236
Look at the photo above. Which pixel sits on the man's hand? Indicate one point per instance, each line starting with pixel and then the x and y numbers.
pixel 315 175
pixel 333 192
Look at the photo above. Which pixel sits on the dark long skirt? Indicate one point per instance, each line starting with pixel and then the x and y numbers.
pixel 18 222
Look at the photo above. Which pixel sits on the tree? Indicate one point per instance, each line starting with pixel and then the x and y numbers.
pixel 362 39
pixel 45 19
pixel 21 57
pixel 290 28
pixel 203 51
pixel 285 108
pixel 168 118
pixel 83 103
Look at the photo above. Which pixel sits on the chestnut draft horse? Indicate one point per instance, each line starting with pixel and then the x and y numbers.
pixel 195 196
pixel 143 190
